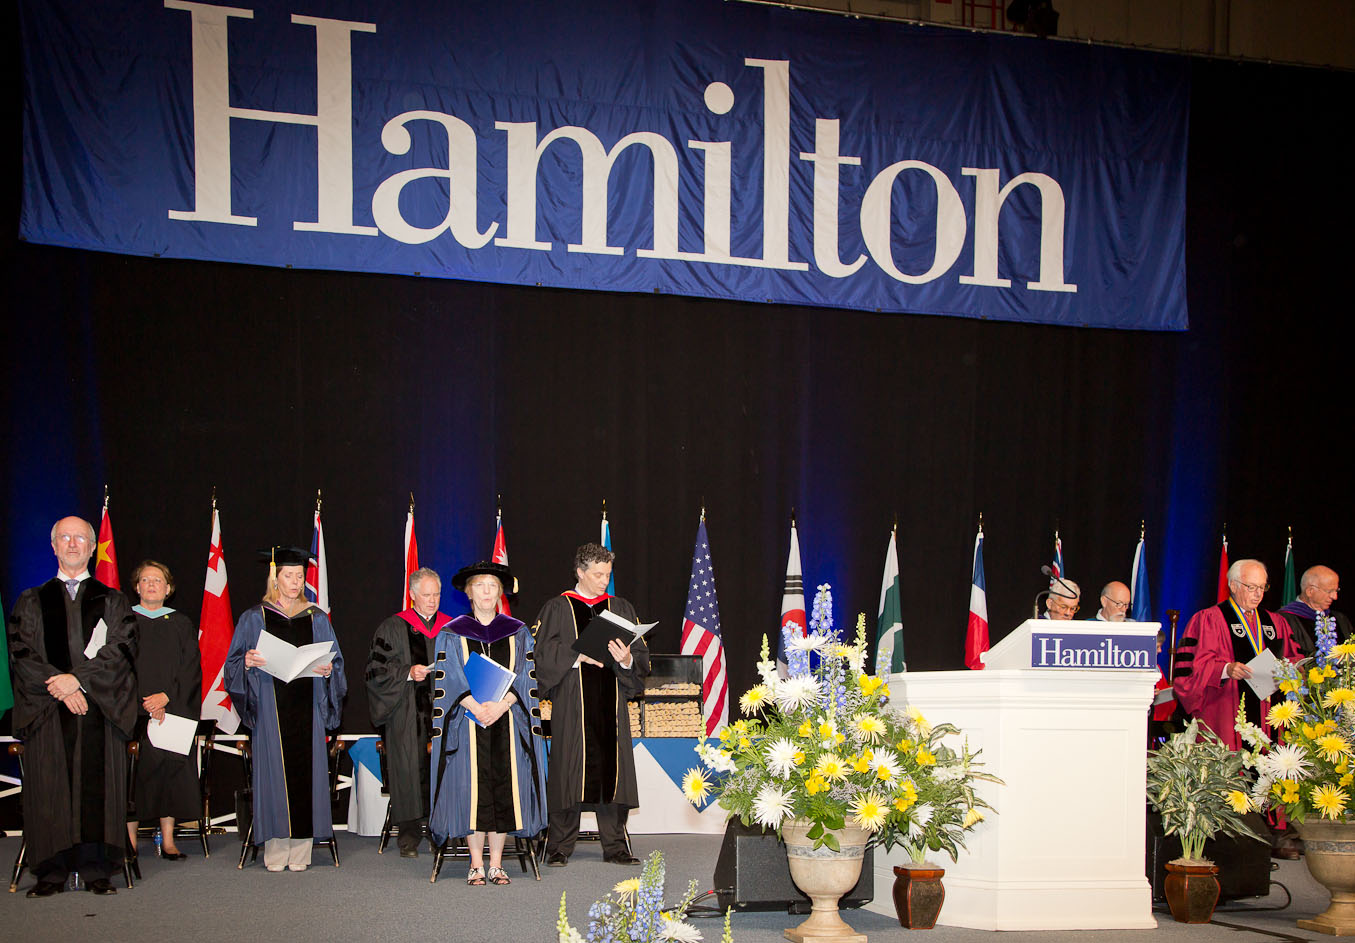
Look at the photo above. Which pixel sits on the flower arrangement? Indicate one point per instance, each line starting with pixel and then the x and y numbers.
pixel 634 913
pixel 1194 782
pixel 824 745
pixel 1307 768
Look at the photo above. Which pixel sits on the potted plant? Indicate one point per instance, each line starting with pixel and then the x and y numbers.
pixel 822 757
pixel 634 913
pixel 1195 783
pixel 1306 770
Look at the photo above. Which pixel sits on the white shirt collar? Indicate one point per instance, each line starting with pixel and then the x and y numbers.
pixel 84 575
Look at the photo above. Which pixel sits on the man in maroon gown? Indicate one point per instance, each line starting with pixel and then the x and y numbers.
pixel 1211 658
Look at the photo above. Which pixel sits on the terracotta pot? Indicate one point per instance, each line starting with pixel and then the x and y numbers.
pixel 824 875
pixel 1329 849
pixel 1192 890
pixel 918 895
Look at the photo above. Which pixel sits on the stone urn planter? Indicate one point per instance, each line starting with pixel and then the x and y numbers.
pixel 824 875
pixel 918 895
pixel 1329 849
pixel 1192 889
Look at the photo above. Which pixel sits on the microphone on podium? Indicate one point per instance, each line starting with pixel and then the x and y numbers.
pixel 1066 594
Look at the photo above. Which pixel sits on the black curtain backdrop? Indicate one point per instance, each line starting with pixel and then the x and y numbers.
pixel 168 379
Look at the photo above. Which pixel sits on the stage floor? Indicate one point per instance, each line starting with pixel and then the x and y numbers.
pixel 383 896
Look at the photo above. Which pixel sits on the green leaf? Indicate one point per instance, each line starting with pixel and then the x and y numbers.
pixel 816 832
pixel 831 841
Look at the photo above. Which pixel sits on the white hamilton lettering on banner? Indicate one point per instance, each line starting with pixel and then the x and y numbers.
pixel 333 120
pixel 1091 651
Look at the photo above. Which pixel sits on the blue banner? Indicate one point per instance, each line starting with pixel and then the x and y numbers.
pixel 699 147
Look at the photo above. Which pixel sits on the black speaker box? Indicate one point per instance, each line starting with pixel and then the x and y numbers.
pixel 1244 863
pixel 752 874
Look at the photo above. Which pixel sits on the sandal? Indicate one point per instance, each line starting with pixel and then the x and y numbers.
pixel 498 876
pixel 475 877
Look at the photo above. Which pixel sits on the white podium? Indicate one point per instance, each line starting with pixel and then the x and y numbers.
pixel 1065 849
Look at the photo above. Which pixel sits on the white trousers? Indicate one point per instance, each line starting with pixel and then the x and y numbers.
pixel 294 853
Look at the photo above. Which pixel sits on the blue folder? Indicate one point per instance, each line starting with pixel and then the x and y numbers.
pixel 489 681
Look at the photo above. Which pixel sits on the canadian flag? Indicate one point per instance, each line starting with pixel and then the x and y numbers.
pixel 500 555
pixel 214 635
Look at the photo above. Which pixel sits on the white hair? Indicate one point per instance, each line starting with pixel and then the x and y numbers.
pixel 1235 571
pixel 421 574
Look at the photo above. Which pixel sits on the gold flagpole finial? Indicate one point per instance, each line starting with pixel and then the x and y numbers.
pixel 105 497
pixel 604 509
pixel 1141 528
pixel 213 497
pixel 980 523
pixel 895 528
pixel 1291 536
pixel 411 502
pixel 317 500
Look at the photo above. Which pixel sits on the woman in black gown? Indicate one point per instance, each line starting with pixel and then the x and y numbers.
pixel 169 679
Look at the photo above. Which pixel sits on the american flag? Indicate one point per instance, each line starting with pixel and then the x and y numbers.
pixel 1057 567
pixel 701 634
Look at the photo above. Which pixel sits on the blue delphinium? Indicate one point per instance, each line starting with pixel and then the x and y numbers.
pixel 600 928
pixel 1325 632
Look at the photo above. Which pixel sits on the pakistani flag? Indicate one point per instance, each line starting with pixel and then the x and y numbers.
pixel 6 692
pixel 889 625
pixel 1290 590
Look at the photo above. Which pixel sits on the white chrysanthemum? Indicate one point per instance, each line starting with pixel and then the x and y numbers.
pixel 916 717
pixel 1286 762
pixel 781 756
pixel 812 642
pixel 718 760
pixel 771 806
pixel 922 815
pixel 679 931
pixel 949 773
pixel 886 761
pixel 797 693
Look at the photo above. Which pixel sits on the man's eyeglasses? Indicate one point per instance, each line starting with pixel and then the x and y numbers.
pixel 68 538
pixel 1114 603
pixel 1253 587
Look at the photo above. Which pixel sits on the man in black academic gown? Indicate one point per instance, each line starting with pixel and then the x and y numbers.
pixel 1318 588
pixel 591 765
pixel 73 646
pixel 400 698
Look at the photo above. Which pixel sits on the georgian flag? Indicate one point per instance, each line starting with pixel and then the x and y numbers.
pixel 215 628
pixel 701 635
pixel 792 599
pixel 411 553
pixel 976 636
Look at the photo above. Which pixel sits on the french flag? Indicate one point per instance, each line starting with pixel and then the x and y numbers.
pixel 976 637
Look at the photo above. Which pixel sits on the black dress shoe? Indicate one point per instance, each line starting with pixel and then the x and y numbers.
pixel 173 856
pixel 102 886
pixel 409 852
pixel 624 858
pixel 556 860
pixel 46 889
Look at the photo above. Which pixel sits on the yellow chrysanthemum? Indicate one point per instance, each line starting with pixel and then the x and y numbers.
pixel 627 888
pixel 971 818
pixel 869 811
pixel 831 766
pixel 924 758
pixel 1239 800
pixel 1332 746
pixel 754 699
pixel 804 729
pixel 1337 697
pixel 1331 800
pixel 923 727
pixel 695 786
pixel 870 727
pixel 1345 651
pixel 1283 714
